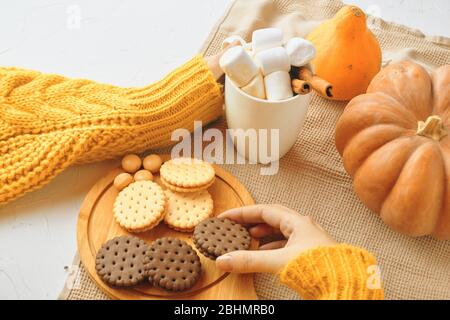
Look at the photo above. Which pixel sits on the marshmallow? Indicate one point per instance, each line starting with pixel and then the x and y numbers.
pixel 232 39
pixel 238 65
pixel 248 46
pixel 278 85
pixel 300 51
pixel 271 60
pixel 256 87
pixel 263 39
pixel 252 55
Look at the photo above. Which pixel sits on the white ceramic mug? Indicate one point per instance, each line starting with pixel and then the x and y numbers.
pixel 246 112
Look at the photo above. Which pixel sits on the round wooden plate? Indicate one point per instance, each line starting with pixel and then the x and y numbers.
pixel 96 225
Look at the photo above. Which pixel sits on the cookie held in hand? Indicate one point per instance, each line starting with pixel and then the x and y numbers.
pixel 120 262
pixel 215 236
pixel 172 264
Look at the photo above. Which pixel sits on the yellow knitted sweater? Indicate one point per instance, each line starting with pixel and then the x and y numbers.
pixel 340 272
pixel 49 122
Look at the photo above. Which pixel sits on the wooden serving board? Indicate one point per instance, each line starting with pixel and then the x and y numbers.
pixel 96 225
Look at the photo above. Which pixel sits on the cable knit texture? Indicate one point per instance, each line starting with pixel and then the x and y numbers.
pixel 49 122
pixel 340 272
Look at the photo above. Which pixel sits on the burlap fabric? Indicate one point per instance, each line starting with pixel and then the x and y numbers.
pixel 312 179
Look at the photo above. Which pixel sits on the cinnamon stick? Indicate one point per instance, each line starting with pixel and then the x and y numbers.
pixel 318 84
pixel 300 86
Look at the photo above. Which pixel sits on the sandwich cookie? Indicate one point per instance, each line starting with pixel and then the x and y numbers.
pixel 120 261
pixel 172 264
pixel 187 175
pixel 215 236
pixel 186 210
pixel 140 206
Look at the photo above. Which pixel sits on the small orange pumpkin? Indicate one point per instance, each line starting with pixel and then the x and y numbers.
pixel 395 143
pixel 347 53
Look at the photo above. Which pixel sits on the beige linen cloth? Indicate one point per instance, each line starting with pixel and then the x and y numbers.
pixel 311 178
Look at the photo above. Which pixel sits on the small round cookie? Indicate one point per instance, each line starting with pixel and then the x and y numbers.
pixel 185 210
pixel 140 206
pixel 131 163
pixel 120 261
pixel 123 180
pixel 152 163
pixel 143 175
pixel 215 236
pixel 186 190
pixel 172 264
pixel 187 172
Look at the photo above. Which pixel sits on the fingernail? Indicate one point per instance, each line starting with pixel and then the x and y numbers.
pixel 225 263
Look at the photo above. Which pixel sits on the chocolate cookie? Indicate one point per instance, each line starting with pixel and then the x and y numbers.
pixel 121 261
pixel 214 237
pixel 172 264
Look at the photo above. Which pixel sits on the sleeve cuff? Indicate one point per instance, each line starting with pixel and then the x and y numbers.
pixel 340 272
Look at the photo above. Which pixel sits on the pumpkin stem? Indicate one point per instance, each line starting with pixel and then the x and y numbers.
pixel 357 11
pixel 432 128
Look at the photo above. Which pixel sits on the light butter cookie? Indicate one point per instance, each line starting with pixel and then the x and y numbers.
pixel 184 190
pixel 187 173
pixel 140 206
pixel 186 210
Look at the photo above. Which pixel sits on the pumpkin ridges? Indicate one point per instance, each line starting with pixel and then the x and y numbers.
pixel 446 119
pixel 409 84
pixel 414 204
pixel 441 102
pixel 442 230
pixel 367 141
pixel 376 177
pixel 441 83
pixel 415 200
pixel 367 110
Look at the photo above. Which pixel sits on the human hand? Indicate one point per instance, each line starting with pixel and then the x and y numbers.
pixel 300 232
pixel 213 61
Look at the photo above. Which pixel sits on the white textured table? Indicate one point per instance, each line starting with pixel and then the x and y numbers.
pixel 127 43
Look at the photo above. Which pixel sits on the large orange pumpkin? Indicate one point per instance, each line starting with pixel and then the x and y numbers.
pixel 395 143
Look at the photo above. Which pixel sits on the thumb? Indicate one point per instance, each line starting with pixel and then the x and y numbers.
pixel 245 261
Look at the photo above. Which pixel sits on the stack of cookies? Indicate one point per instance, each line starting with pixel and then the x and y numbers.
pixel 182 201
pixel 168 263
pixel 188 201
pixel 142 203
